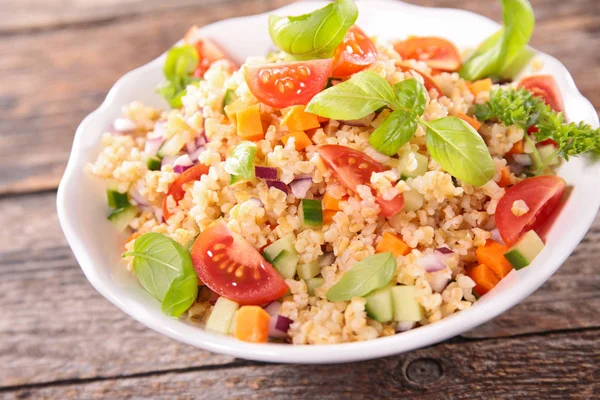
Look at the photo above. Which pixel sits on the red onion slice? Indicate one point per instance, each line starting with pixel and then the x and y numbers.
pixel 327 259
pixel 273 308
pixel 278 185
pixel 268 173
pixel 152 145
pixel 196 153
pixel 257 201
pixel 495 236
pixel 192 146
pixel 432 262
pixel 438 281
pixel 158 214
pixel 404 326
pixel 124 126
pixel 300 187
pixel 182 163
pixel 139 200
pixel 522 159
pixel 168 160
pixel 444 250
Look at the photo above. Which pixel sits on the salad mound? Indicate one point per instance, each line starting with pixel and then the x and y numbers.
pixel 343 187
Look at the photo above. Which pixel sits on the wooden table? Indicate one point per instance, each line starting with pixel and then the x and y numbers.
pixel 60 339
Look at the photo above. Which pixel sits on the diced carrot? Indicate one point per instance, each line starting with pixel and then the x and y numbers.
pixel 393 244
pixel 252 324
pixel 479 86
pixel 296 119
pixel 249 125
pixel 492 255
pixel 470 120
pixel 330 202
pixel 485 279
pixel 505 177
pixel 328 216
pixel 133 236
pixel 518 148
pixel 301 140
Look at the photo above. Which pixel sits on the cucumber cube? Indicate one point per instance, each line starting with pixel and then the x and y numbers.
pixel 406 306
pixel 116 199
pixel 525 250
pixel 285 263
pixel 153 163
pixel 379 305
pixel 274 249
pixel 313 283
pixel 222 315
pixel 311 213
pixel 122 217
pixel 310 270
pixel 422 163
pixel 172 146
pixel 413 200
pixel 229 98
pixel 546 152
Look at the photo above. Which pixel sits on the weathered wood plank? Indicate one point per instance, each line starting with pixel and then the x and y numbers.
pixel 557 366
pixel 55 326
pixel 41 107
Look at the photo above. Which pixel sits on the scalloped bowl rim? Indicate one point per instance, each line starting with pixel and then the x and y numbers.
pixel 448 327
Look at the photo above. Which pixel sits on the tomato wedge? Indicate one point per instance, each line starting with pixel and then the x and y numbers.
pixel 542 195
pixel 436 52
pixel 231 267
pixel 428 81
pixel 355 53
pixel 283 85
pixel 176 189
pixel 545 87
pixel 354 168
pixel 208 52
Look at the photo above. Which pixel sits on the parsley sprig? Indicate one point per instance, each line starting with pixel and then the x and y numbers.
pixel 521 108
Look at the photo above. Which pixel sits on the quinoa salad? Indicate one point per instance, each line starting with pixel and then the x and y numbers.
pixel 343 187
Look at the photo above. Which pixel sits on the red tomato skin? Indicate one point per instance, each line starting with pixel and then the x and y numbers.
pixel 545 87
pixel 208 52
pixel 337 159
pixel 362 53
pixel 281 85
pixel 217 255
pixel 176 189
pixel 439 54
pixel 542 195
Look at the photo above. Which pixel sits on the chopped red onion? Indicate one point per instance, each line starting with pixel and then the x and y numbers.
pixel 124 126
pixel 265 172
pixel 362 122
pixel 516 168
pixel 300 187
pixel 152 145
pixel 495 235
pixel 522 159
pixel 404 326
pixel 168 160
pixel 283 323
pixel 139 200
pixel 438 281
pixel 432 262
pixel 278 324
pixel 196 153
pixel 327 259
pixel 158 214
pixel 444 250
pixel 278 185
pixel 192 146
pixel 273 308
pixel 257 201
pixel 182 163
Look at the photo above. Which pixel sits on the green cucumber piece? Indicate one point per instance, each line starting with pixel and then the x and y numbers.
pixel 116 199
pixel 413 200
pixel 406 306
pixel 222 315
pixel 313 283
pixel 154 163
pixel 229 98
pixel 422 163
pixel 285 263
pixel 525 250
pixel 274 249
pixel 311 212
pixel 235 180
pixel 122 217
pixel 310 270
pixel 172 146
pixel 379 304
pixel 546 152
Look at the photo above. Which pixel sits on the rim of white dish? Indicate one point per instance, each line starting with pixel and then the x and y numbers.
pixel 331 353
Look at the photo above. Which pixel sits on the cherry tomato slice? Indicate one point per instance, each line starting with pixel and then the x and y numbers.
pixel 436 52
pixel 428 81
pixel 176 189
pixel 542 195
pixel 231 267
pixel 354 168
pixel 355 53
pixel 208 52
pixel 545 87
pixel 283 85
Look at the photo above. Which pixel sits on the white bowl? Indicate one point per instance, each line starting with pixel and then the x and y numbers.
pixel 82 205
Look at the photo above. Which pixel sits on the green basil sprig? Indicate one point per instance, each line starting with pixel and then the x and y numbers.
pixel 452 143
pixel 241 161
pixel 316 34
pixel 497 54
pixel 165 270
pixel 370 274
pixel 180 64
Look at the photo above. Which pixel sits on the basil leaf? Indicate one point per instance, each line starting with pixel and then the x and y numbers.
pixel 397 129
pixel 165 270
pixel 372 273
pixel 460 150
pixel 316 34
pixel 172 93
pixel 362 94
pixel 241 161
pixel 411 95
pixel 500 50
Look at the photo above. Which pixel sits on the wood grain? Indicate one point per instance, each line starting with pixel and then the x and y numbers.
pixel 41 107
pixel 557 366
pixel 55 326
